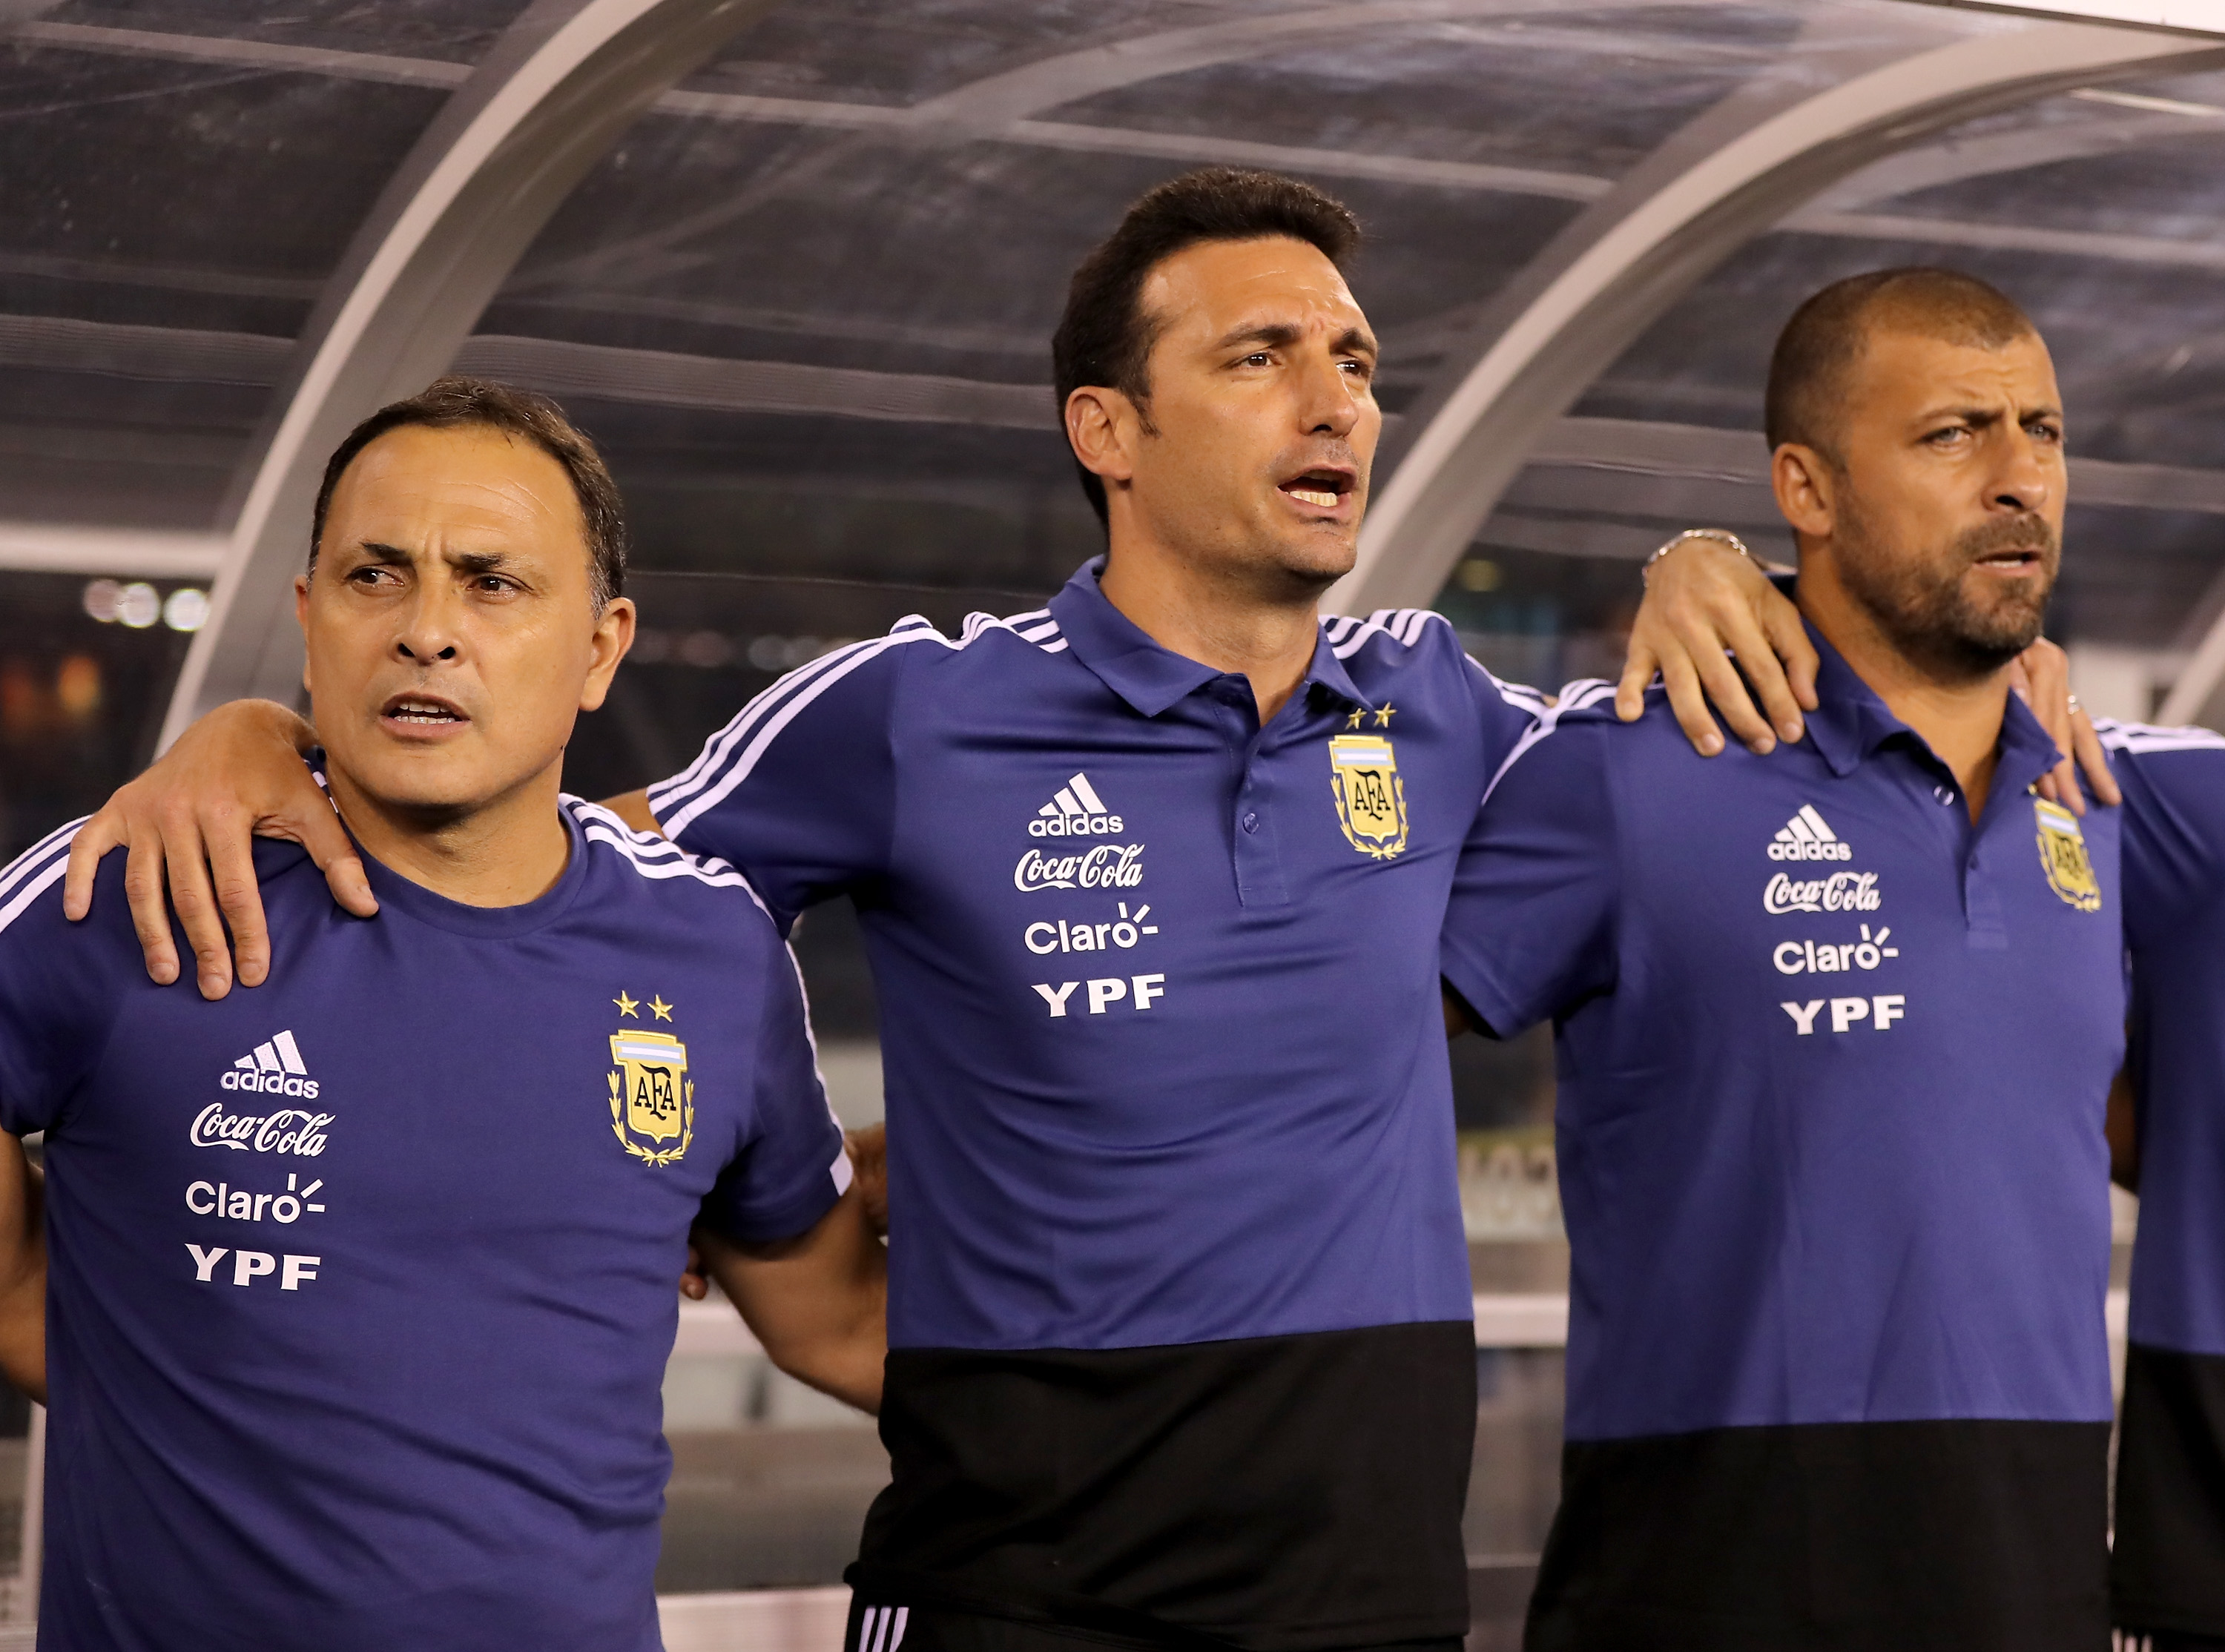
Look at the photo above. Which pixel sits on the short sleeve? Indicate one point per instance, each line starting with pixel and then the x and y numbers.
pixel 57 994
pixel 2174 825
pixel 791 1166
pixel 797 791
pixel 1530 929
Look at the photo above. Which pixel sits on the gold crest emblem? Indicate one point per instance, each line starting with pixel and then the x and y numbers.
pixel 652 1099
pixel 1370 799
pixel 2063 857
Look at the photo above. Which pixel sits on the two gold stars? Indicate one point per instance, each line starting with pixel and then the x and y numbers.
pixel 657 1006
pixel 1382 718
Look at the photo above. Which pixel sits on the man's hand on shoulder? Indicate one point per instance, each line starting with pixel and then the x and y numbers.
pixel 191 822
pixel 2041 678
pixel 1706 605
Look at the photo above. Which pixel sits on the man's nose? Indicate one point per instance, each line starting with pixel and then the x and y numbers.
pixel 429 632
pixel 1331 404
pixel 2029 476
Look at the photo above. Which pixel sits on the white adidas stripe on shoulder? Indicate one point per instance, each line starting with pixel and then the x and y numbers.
pixel 2136 737
pixel 656 857
pixel 34 871
pixel 1580 695
pixel 1348 635
pixel 732 753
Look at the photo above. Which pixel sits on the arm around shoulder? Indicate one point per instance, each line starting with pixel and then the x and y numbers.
pixel 189 824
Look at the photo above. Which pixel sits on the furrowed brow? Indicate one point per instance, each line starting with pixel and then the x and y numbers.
pixel 1263 332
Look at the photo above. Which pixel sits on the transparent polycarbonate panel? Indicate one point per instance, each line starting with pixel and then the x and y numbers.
pixel 177 194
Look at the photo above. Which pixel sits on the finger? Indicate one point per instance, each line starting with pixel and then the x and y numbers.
pixel 230 849
pixel 150 911
pixel 1725 687
pixel 1690 703
pixel 318 830
pixel 1756 671
pixel 2060 785
pixel 94 838
pixel 2094 759
pixel 193 897
pixel 1638 671
pixel 1795 657
pixel 694 1284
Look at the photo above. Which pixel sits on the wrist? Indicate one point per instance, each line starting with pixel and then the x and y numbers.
pixel 283 722
pixel 1721 536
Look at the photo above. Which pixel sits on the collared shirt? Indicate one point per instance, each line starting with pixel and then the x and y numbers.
pixel 1170 1111
pixel 360 1290
pixel 1157 986
pixel 2174 785
pixel 1832 1060
pixel 2170 1504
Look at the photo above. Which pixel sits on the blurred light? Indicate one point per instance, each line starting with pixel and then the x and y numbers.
pixel 138 606
pixel 77 686
pixel 1478 573
pixel 707 648
pixel 100 600
pixel 769 653
pixel 650 646
pixel 187 608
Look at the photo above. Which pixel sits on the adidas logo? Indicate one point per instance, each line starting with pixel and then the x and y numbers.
pixel 1075 811
pixel 275 1068
pixel 1806 836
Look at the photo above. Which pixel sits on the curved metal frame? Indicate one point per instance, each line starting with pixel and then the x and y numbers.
pixel 568 78
pixel 551 98
pixel 1633 255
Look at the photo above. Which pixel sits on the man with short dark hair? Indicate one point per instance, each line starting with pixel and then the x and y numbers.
pixel 1152 881
pixel 359 1288
pixel 1835 1029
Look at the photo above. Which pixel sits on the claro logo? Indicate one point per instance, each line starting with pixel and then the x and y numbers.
pixel 1108 866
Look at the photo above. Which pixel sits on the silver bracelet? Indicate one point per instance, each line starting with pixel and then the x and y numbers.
pixel 1720 536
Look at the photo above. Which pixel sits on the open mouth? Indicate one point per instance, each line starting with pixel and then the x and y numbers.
pixel 421 711
pixel 1323 487
pixel 2012 559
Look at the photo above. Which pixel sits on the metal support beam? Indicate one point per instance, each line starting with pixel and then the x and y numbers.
pixel 549 101
pixel 1638 251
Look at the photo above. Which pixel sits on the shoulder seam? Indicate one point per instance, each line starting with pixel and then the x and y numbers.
pixel 36 871
pixel 2118 735
pixel 1404 626
pixel 726 760
pixel 657 858
pixel 1578 696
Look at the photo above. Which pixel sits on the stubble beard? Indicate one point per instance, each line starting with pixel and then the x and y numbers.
pixel 1923 607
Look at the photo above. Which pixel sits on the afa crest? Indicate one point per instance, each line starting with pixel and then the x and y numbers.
pixel 652 1099
pixel 2063 857
pixel 1371 799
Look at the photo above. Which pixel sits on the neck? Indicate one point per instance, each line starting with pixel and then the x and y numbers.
pixel 504 852
pixel 1261 628
pixel 1958 717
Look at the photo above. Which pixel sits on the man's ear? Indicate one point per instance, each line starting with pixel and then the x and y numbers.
pixel 1102 426
pixel 1804 484
pixel 613 635
pixel 302 618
